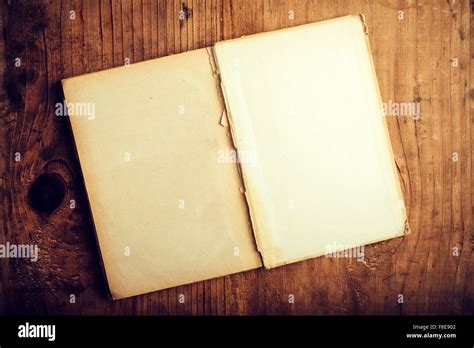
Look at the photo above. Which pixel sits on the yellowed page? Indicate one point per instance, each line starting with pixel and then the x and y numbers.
pixel 166 210
pixel 306 101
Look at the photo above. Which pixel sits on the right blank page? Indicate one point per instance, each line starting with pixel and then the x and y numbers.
pixel 304 103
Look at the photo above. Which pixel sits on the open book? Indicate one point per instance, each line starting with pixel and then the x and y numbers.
pixel 172 200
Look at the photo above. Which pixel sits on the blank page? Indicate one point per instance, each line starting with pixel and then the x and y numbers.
pixel 166 211
pixel 304 102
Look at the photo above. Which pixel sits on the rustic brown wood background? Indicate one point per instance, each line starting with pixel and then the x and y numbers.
pixel 414 59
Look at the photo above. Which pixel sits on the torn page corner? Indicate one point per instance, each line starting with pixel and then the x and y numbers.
pixel 224 122
pixel 364 23
pixel 212 62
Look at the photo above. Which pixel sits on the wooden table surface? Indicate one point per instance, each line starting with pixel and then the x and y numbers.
pixel 423 53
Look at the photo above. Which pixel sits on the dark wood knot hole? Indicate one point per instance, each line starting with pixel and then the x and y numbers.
pixel 47 192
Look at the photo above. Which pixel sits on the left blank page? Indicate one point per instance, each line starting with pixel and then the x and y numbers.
pixel 166 211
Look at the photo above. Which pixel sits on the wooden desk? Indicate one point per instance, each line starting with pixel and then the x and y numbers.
pixel 423 52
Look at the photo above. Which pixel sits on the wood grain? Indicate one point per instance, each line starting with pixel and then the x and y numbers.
pixel 414 61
